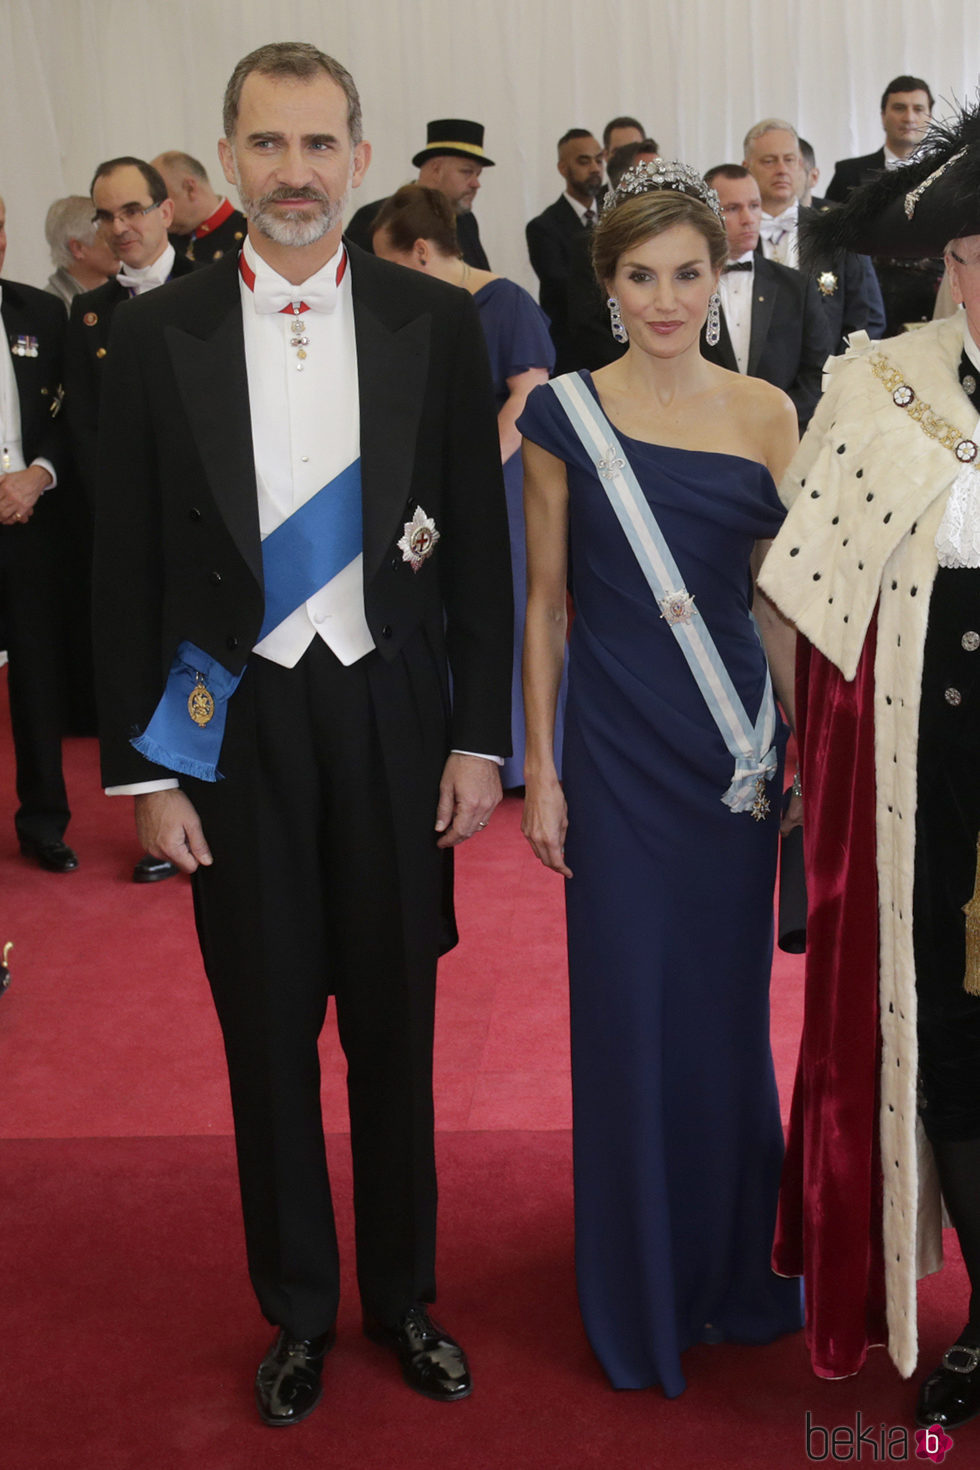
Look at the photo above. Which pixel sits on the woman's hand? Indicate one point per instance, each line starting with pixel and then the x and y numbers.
pixel 545 823
pixel 793 817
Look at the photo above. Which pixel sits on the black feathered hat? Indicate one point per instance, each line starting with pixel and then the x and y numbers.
pixel 912 211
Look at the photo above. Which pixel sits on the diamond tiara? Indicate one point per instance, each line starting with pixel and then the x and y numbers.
pixel 644 178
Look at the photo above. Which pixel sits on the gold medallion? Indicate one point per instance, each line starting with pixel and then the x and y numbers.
pixel 200 703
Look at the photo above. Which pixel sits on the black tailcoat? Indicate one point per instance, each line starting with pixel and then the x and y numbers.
pixel 178 557
pixel 32 568
pixel 789 340
pixel 86 350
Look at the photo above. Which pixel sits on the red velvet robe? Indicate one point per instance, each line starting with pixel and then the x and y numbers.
pixel 829 1224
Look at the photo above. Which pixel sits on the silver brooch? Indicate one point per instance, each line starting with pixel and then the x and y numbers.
pixel 762 806
pixel 678 607
pixel 826 283
pixel 903 396
pixel 419 540
pixel 969 385
pixel 610 464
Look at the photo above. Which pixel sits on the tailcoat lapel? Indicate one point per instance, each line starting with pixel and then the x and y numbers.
pixel 208 357
pixel 392 364
pixel 763 301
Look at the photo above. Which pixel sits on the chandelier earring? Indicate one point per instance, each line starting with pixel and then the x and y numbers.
pixel 713 328
pixel 616 321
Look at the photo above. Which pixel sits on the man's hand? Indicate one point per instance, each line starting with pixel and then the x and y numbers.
pixel 20 491
pixel 468 792
pixel 169 827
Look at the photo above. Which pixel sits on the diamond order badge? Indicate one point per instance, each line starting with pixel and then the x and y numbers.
pixel 419 540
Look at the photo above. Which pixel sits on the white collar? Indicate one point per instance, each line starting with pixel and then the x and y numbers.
pixel 147 277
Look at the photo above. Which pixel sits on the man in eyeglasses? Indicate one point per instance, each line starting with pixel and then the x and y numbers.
pixel 133 213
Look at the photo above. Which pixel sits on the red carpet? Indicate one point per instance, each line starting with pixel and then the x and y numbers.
pixel 129 1333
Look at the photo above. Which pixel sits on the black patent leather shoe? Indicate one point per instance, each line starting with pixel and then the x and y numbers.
pixel 54 856
pixel 951 1395
pixel 152 869
pixel 289 1382
pixel 432 1362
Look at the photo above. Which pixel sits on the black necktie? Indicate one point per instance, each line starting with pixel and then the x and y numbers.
pixel 738 265
pixel 968 376
pixel 588 218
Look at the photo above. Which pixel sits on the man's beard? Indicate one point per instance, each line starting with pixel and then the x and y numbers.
pixel 297 228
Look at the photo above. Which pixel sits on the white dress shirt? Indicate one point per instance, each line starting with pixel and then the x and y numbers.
pixel 305 430
pixel 139 279
pixel 780 236
pixel 736 300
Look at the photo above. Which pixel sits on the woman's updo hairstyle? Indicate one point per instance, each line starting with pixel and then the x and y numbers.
pixel 650 199
pixel 416 213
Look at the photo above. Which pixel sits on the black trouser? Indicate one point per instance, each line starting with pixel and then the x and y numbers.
pixel 32 616
pixel 325 883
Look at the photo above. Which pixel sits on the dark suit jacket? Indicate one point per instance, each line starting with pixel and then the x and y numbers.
pixel 177 509
pixel 28 312
pixel 227 236
pixel 849 290
pixel 551 242
pixel 86 351
pixel 361 231
pixel 851 173
pixel 790 339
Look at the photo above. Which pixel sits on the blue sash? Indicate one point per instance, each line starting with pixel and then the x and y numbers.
pixel 298 558
pixel 750 744
pixel 178 739
pixel 311 546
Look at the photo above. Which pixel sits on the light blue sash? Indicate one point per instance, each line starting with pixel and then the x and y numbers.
pixel 298 558
pixel 751 745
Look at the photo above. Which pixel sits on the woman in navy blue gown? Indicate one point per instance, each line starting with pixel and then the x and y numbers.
pixel 678 1143
pixel 416 228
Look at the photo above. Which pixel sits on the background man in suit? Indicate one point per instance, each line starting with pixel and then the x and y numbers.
pixel 205 224
pixel 772 324
pixel 134 213
pixel 452 162
pixel 847 284
pixel 80 252
pixel 620 130
pixel 908 287
pixel 551 235
pixel 32 559
pixel 303 481
pixel 906 112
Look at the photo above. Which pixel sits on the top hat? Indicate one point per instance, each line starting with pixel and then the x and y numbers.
pixel 456 136
pixel 912 211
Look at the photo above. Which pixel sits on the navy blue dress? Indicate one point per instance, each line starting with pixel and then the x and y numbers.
pixel 517 336
pixel 678 1142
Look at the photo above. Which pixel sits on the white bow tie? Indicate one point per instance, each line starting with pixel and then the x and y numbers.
pixel 774 227
pixel 317 294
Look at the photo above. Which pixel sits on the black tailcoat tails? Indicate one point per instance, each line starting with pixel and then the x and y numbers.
pixel 326 876
pixel 33 562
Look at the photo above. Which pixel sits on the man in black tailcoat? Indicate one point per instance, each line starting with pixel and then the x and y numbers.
pixel 772 324
pixel 133 213
pixel 280 654
pixel 33 468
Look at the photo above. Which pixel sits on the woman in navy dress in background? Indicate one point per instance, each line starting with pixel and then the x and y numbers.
pixel 671 839
pixel 416 227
